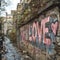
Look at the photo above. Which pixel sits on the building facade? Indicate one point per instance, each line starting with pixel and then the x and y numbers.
pixel 8 24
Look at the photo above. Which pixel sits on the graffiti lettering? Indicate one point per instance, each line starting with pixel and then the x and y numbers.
pixel 41 31
pixel 54 27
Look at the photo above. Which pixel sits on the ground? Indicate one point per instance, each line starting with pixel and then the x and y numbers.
pixel 12 52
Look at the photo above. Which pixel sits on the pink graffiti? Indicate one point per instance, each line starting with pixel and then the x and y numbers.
pixel 54 27
pixel 44 29
pixel 47 41
pixel 39 31
pixel 34 31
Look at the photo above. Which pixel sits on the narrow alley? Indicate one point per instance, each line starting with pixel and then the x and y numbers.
pixel 11 51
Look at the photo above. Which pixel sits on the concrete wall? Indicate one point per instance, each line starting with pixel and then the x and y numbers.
pixel 32 33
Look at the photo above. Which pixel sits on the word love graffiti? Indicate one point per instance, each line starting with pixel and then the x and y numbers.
pixel 41 31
